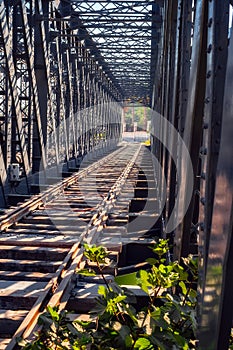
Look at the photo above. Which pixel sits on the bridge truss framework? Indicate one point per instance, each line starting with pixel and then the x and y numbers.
pixel 66 68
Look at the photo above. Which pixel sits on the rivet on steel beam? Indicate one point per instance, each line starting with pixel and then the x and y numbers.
pixel 205 126
pixel 207 100
pixel 210 22
pixel 203 201
pixel 208 75
pixel 203 175
pixel 203 151
pixel 202 226
pixel 209 48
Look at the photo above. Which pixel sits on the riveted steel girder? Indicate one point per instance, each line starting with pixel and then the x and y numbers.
pixel 116 29
pixel 57 100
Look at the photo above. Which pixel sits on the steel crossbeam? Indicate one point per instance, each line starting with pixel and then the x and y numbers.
pixel 130 25
pixel 67 69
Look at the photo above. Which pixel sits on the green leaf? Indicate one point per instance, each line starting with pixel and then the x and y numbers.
pixel 119 298
pixel 98 309
pixel 128 279
pixel 128 341
pixel 181 341
pixel 83 324
pixel 102 291
pixel 114 304
pixel 158 343
pixel 152 261
pixel 124 331
pixel 161 247
pixel 142 280
pixel 193 320
pixel 193 294
pixel 180 270
pixel 192 265
pixel 183 287
pixel 158 315
pixel 21 342
pixel 143 344
pixel 95 254
pixel 54 314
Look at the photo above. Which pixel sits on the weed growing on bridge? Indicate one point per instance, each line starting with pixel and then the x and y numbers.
pixel 166 321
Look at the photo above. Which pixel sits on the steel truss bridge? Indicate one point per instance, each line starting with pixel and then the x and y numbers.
pixel 67 69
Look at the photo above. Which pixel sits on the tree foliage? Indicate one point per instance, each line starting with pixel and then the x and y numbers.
pixel 137 114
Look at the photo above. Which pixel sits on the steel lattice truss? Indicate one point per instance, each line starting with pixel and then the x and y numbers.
pixel 124 34
pixel 66 67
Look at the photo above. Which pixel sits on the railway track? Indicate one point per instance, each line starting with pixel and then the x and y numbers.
pixel 40 240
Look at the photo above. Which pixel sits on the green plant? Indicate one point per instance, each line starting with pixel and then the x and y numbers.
pixel 231 340
pixel 58 332
pixel 99 256
pixel 167 321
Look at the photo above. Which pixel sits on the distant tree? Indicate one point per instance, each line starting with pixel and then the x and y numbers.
pixel 140 115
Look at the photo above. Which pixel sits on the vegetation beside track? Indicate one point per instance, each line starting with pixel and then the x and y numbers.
pixel 167 321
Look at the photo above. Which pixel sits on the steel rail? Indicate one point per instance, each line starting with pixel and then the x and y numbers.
pixel 57 286
pixel 50 193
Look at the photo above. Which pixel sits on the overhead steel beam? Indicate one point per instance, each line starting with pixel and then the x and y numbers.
pixel 98 20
